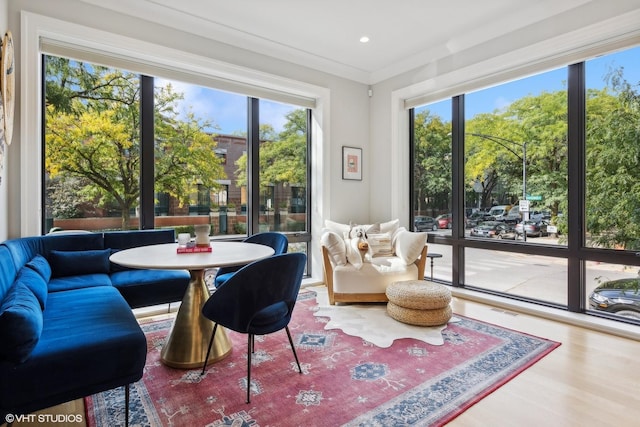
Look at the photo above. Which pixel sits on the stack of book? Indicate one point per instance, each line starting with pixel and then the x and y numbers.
pixel 192 248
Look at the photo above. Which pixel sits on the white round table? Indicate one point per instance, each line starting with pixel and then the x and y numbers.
pixel 186 346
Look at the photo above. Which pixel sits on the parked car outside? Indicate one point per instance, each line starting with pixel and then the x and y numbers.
pixel 477 217
pixel 424 223
pixel 444 220
pixel 621 297
pixel 533 228
pixel 494 230
pixel 540 215
pixel 498 213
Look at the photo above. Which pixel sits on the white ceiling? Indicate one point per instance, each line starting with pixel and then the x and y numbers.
pixel 324 34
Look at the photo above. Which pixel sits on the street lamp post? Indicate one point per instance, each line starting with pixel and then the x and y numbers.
pixel 502 142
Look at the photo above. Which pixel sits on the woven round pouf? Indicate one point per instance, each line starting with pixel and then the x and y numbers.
pixel 412 316
pixel 417 302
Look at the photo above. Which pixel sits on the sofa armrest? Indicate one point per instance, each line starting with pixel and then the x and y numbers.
pixel 421 262
pixel 328 273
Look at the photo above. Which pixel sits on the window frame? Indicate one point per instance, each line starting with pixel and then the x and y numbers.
pixel 576 252
pixel 37 30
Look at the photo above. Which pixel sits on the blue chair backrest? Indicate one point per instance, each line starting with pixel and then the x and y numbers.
pixel 257 286
pixel 277 241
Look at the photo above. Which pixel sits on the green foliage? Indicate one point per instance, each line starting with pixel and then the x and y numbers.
pixel 93 133
pixel 495 159
pixel 283 157
pixel 613 164
pixel 432 166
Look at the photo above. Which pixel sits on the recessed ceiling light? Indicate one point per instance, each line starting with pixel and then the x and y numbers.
pixel 364 39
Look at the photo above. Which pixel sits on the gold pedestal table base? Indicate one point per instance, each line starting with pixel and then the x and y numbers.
pixel 186 346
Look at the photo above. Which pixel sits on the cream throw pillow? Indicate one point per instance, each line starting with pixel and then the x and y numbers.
pixel 336 227
pixel 354 257
pixel 380 244
pixel 390 226
pixel 409 245
pixel 335 246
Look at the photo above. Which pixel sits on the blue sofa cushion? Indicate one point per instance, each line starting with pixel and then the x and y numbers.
pixel 90 342
pixel 67 283
pixel 41 265
pixel 143 288
pixel 20 323
pixel 35 283
pixel 134 239
pixel 76 263
pixel 8 271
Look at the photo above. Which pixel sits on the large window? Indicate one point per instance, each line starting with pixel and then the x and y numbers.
pixel 612 206
pixel 516 151
pixel 431 179
pixel 544 205
pixel 128 151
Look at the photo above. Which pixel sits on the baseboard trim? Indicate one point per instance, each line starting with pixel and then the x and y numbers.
pixel 611 327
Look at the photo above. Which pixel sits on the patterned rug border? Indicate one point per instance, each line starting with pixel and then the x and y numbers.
pixel 433 402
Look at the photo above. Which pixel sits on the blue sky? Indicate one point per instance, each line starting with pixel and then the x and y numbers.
pixel 229 111
pixel 498 97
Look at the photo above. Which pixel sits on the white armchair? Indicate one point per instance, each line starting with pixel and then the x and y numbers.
pixel 357 272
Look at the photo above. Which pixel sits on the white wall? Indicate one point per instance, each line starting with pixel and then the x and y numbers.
pixel 4 210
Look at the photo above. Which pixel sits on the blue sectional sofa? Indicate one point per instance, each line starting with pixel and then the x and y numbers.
pixel 67 329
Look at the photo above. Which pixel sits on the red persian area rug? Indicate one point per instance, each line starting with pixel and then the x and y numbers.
pixel 346 381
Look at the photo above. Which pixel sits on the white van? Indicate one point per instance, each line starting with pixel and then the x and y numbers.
pixel 498 213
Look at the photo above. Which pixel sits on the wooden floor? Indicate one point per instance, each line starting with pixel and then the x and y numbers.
pixel 592 379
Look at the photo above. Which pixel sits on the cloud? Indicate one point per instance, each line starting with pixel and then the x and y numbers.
pixel 227 111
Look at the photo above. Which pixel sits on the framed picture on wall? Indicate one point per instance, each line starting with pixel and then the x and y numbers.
pixel 352 163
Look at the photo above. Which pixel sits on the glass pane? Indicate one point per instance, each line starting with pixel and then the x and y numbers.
pixel 92 146
pixel 516 159
pixel 613 149
pixel 531 276
pixel 613 288
pixel 432 168
pixel 200 135
pixel 438 266
pixel 283 167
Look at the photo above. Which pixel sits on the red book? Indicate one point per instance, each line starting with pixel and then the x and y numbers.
pixel 191 248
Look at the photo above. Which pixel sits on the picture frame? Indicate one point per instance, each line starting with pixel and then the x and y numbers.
pixel 7 85
pixel 351 163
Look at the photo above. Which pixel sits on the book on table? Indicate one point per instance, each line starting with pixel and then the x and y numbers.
pixel 192 248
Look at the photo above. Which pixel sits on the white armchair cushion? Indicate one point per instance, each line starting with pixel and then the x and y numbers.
pixel 372 277
pixel 335 246
pixel 409 245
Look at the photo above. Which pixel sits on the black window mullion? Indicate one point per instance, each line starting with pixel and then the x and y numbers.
pixel 45 225
pixel 147 153
pixel 412 162
pixel 576 136
pixel 457 188
pixel 253 166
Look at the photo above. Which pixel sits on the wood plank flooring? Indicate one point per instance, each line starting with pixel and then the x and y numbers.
pixel 592 379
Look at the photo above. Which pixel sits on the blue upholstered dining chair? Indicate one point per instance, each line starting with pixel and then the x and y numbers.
pixel 277 241
pixel 258 299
